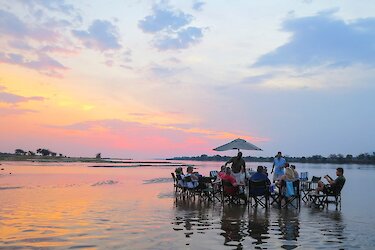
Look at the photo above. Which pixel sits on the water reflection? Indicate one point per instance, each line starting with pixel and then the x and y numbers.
pixel 331 227
pixel 193 216
pixel 258 225
pixel 289 225
pixel 233 224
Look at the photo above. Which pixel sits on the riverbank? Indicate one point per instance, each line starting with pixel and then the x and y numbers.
pixel 39 158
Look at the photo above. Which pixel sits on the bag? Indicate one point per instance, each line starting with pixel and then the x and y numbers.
pixel 289 189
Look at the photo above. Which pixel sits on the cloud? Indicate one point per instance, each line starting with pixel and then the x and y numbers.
pixel 12 26
pixel 5 111
pixel 52 5
pixel 198 5
pixel 101 35
pixel 13 99
pixel 170 28
pixel 162 71
pixel 164 19
pixel 180 40
pixel 257 79
pixel 324 40
pixel 43 63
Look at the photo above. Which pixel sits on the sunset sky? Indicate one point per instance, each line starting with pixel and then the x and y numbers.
pixel 152 79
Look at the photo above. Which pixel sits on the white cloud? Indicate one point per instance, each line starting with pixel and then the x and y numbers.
pixel 101 35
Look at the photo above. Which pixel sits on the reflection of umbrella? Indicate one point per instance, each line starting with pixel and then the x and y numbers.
pixel 237 144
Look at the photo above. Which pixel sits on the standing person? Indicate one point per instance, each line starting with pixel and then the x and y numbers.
pixel 238 165
pixel 278 164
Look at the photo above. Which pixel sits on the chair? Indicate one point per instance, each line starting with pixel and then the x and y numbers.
pixel 309 186
pixel 190 187
pixel 230 193
pixel 334 196
pixel 214 173
pixel 175 184
pixel 296 196
pixel 304 176
pixel 205 188
pixel 259 192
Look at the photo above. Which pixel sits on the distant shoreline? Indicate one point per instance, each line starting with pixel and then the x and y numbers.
pixel 362 159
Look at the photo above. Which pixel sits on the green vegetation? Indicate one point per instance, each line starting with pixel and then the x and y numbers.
pixel 45 155
pixel 364 158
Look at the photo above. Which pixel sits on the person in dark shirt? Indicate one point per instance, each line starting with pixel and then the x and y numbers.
pixel 237 163
pixel 334 186
pixel 259 176
pixel 238 166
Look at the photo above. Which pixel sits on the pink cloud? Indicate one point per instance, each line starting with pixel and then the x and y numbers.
pixel 6 97
pixel 43 63
pixel 130 139
pixel 7 111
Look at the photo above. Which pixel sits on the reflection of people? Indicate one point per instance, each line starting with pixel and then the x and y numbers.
pixel 334 186
pixel 278 165
pixel 258 227
pixel 289 226
pixel 233 225
pixel 238 165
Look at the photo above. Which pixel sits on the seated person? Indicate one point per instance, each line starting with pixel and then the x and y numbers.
pixel 193 180
pixel 289 176
pixel 296 175
pixel 234 188
pixel 178 171
pixel 179 176
pixel 334 186
pixel 265 171
pixel 259 176
pixel 219 174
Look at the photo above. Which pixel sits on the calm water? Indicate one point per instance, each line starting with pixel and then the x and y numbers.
pixel 74 206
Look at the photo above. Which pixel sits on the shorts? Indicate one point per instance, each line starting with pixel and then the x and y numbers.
pixel 276 177
pixel 327 189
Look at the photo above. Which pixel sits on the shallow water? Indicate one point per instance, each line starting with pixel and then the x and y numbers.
pixel 74 206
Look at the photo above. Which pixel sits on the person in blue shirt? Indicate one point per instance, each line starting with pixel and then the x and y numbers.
pixel 259 176
pixel 279 165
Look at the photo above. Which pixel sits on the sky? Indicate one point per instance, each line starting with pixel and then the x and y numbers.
pixel 146 79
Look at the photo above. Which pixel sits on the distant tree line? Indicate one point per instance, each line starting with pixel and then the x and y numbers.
pixel 39 151
pixel 364 158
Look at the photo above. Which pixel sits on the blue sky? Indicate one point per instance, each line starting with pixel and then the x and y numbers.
pixel 294 76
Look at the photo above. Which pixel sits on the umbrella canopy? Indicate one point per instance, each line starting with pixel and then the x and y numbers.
pixel 237 144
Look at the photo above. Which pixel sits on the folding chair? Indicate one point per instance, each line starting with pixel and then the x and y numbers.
pixel 214 173
pixel 296 196
pixel 304 176
pixel 230 193
pixel 334 196
pixel 308 187
pixel 175 185
pixel 205 188
pixel 259 191
pixel 189 187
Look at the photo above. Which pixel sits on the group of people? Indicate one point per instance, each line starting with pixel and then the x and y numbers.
pixel 188 180
pixel 282 172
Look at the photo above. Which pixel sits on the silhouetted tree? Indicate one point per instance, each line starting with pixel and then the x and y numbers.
pixel 19 152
